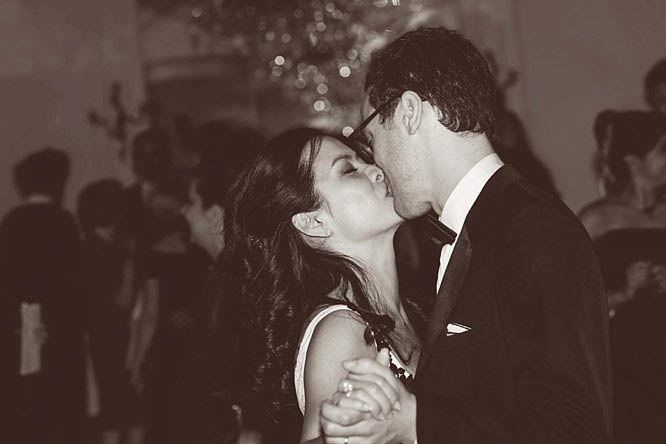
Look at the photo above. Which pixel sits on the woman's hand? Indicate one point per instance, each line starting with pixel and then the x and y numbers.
pixel 638 278
pixel 368 392
pixel 658 274
pixel 372 377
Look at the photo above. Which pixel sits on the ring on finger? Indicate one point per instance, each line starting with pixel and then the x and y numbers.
pixel 347 388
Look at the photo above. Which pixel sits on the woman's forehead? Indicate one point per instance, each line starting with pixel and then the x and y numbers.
pixel 331 147
pixel 329 150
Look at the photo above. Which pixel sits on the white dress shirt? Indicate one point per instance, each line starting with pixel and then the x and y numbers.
pixel 461 200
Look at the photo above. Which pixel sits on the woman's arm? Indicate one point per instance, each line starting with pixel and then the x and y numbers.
pixel 337 338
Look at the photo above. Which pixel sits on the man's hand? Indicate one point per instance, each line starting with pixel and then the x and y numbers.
pixel 371 383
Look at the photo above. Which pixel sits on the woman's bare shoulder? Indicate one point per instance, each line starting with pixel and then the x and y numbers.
pixel 338 337
pixel 602 215
pixel 339 333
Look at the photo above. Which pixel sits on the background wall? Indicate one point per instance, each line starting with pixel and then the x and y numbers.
pixel 58 60
pixel 577 58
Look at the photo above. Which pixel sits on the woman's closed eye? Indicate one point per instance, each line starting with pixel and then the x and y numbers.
pixel 349 168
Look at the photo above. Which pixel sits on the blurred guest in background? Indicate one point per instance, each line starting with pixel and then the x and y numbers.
pixel 42 324
pixel 629 231
pixel 638 341
pixel 509 138
pixel 634 169
pixel 210 366
pixel 204 211
pixel 225 416
pixel 510 142
pixel 226 146
pixel 655 86
pixel 151 165
pixel 109 277
pixel 169 278
pixel 606 184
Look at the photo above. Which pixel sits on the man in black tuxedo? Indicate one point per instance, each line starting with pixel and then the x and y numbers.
pixel 516 350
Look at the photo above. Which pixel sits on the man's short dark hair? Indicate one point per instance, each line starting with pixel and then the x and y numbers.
pixel 101 203
pixel 43 172
pixel 655 76
pixel 442 67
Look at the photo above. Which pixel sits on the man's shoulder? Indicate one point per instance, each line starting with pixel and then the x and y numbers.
pixel 532 213
pixel 507 194
pixel 43 214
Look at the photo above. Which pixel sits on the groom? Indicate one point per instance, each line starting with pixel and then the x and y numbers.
pixel 517 349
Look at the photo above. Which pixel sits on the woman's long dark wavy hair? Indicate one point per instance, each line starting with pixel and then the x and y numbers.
pixel 279 276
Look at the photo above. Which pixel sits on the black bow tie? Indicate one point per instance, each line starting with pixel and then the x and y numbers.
pixel 436 231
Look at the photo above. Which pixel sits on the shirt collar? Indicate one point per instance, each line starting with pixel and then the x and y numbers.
pixel 466 192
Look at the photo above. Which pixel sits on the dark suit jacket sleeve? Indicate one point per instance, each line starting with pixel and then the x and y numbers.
pixel 555 330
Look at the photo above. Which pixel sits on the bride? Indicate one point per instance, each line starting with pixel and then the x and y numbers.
pixel 309 232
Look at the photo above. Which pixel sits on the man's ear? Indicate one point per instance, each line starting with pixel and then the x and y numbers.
pixel 411 107
pixel 310 225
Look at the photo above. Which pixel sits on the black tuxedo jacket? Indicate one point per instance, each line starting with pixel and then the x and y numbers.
pixel 534 367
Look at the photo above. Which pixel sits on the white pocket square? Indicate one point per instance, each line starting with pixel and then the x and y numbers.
pixel 454 328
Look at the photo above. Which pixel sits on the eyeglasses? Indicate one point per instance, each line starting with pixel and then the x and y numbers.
pixel 357 139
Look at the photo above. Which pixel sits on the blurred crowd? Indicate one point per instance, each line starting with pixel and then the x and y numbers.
pixel 121 285
pixel 123 297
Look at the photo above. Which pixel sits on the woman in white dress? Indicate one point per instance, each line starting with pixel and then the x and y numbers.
pixel 309 234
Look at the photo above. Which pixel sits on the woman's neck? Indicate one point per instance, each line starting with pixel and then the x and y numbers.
pixel 641 196
pixel 377 257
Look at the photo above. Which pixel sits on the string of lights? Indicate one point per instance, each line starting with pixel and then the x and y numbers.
pixel 315 50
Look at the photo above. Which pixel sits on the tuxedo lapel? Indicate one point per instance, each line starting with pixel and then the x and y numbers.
pixel 480 217
pixel 448 293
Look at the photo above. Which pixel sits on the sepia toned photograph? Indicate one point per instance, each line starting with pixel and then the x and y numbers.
pixel 333 222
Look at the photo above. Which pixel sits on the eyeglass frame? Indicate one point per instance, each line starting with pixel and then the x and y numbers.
pixel 365 150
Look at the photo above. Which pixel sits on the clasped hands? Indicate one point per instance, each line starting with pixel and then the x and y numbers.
pixel 371 406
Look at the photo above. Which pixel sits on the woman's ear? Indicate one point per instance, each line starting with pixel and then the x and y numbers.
pixel 310 225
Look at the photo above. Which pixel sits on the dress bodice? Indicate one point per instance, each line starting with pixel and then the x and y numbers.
pixel 618 249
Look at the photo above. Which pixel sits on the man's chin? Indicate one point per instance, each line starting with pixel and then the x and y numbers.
pixel 402 212
pixel 407 212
